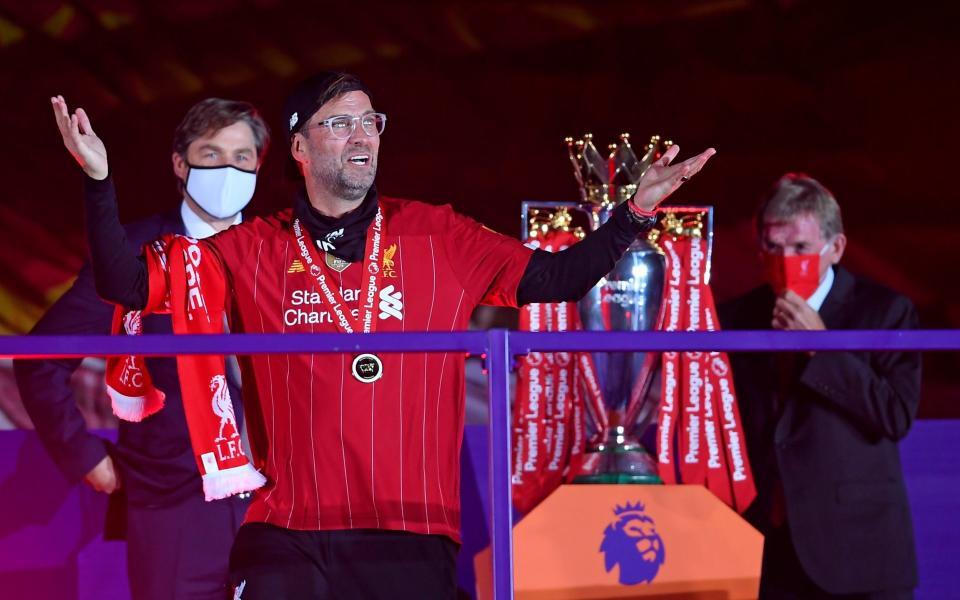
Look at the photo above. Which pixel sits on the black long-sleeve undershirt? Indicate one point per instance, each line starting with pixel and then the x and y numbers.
pixel 121 277
pixel 568 275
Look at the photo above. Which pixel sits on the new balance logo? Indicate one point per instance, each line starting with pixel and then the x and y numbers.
pixel 296 266
pixel 326 244
pixel 391 304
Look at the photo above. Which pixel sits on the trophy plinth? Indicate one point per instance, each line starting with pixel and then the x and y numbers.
pixel 619 459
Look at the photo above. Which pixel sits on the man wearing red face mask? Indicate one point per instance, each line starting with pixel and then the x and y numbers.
pixel 822 427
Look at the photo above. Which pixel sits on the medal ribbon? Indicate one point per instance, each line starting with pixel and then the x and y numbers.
pixel 366 320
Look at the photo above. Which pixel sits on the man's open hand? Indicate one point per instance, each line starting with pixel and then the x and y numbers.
pixel 662 178
pixel 78 136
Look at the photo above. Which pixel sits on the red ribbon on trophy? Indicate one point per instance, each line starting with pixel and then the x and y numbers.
pixel 555 390
pixel 700 437
pixel 727 412
pixel 671 319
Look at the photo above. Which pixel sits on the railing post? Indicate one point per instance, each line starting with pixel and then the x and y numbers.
pixel 501 516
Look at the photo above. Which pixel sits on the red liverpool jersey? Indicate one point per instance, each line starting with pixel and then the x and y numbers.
pixel 339 453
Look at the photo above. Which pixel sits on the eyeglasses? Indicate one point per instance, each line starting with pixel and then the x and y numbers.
pixel 343 126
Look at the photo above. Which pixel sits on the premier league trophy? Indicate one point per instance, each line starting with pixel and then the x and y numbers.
pixel 620 408
pixel 627 299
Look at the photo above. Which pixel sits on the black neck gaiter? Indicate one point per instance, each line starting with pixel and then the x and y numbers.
pixel 345 237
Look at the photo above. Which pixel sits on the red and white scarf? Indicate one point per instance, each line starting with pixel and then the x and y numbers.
pixel 189 284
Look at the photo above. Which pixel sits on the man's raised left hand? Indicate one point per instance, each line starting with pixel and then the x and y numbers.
pixel 662 178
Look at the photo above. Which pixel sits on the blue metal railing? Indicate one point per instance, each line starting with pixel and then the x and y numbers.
pixel 499 346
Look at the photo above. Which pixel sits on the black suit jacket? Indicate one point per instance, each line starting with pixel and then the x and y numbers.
pixel 829 431
pixel 155 459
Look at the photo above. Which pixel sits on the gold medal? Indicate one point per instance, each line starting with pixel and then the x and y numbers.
pixel 365 321
pixel 336 263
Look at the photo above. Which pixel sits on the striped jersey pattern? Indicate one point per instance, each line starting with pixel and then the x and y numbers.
pixel 338 453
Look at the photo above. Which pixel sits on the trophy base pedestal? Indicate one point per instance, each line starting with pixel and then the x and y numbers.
pixel 620 461
pixel 582 542
pixel 625 478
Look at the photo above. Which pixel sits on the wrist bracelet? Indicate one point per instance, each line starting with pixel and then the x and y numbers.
pixel 639 211
pixel 643 218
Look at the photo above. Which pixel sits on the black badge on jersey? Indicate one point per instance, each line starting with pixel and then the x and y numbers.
pixel 367 368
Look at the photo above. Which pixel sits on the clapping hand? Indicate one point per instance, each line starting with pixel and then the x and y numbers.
pixel 792 313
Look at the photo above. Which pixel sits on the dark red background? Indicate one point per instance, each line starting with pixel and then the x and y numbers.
pixel 861 95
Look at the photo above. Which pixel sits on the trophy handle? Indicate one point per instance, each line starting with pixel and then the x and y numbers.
pixel 640 406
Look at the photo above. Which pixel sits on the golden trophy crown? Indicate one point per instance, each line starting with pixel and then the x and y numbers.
pixel 609 181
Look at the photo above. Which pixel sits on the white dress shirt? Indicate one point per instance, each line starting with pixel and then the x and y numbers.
pixel 820 294
pixel 196 227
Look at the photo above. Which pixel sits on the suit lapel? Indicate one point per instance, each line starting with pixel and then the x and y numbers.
pixel 832 311
pixel 174 221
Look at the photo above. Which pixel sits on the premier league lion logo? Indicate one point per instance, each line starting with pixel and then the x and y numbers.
pixel 633 543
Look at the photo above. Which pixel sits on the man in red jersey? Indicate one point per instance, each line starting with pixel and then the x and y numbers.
pixel 361 453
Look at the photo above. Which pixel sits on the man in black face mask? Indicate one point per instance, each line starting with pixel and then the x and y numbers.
pixel 822 428
pixel 177 544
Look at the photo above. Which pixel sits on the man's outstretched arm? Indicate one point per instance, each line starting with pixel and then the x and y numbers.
pixel 120 276
pixel 568 275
